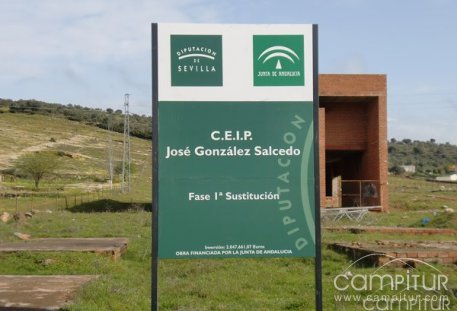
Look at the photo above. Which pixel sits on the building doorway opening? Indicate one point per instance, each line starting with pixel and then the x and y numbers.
pixel 345 186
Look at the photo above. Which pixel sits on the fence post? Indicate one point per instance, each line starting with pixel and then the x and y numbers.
pixel 360 193
pixel 66 203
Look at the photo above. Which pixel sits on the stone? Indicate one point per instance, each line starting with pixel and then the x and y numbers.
pixel 47 262
pixel 5 217
pixel 33 292
pixel 22 236
pixel 112 247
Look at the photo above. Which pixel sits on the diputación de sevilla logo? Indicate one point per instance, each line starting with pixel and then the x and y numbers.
pixel 196 60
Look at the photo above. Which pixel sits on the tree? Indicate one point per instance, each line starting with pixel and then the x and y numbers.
pixel 407 141
pixel 118 168
pixel 37 165
pixel 418 150
pixel 397 170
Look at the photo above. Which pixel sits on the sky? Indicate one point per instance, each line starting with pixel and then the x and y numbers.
pixel 91 53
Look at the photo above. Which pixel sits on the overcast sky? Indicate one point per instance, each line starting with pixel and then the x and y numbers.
pixel 92 52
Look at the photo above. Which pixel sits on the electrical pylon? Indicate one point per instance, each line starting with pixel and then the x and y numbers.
pixel 126 160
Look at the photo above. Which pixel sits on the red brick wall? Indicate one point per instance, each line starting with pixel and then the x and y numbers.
pixel 341 134
pixel 352 85
pixel 370 161
pixel 355 118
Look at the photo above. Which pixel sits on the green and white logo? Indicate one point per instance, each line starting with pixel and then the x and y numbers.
pixel 279 60
pixel 196 60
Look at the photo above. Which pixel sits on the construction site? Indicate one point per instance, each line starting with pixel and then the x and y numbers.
pixel 85 241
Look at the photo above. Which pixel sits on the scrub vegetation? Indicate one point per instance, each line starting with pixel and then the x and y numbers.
pixel 140 126
pixel 429 157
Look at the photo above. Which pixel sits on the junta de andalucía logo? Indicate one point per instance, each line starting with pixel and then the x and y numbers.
pixel 278 60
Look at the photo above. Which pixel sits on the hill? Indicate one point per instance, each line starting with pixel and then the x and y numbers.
pixel 140 126
pixel 429 157
pixel 83 150
pixel 77 201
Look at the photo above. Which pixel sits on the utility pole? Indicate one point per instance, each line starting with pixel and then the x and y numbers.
pixel 110 153
pixel 125 186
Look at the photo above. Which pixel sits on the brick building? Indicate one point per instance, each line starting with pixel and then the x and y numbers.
pixel 353 140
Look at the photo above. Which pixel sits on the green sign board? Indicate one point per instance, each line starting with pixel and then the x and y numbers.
pixel 236 179
pixel 235 141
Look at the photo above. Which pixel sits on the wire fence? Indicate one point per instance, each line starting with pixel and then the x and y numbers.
pixel 359 193
pixel 41 201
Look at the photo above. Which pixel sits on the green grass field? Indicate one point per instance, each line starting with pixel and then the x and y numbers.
pixel 288 284
pixel 184 285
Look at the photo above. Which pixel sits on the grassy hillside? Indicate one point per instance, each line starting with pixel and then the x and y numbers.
pixel 76 201
pixel 140 126
pixel 83 150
